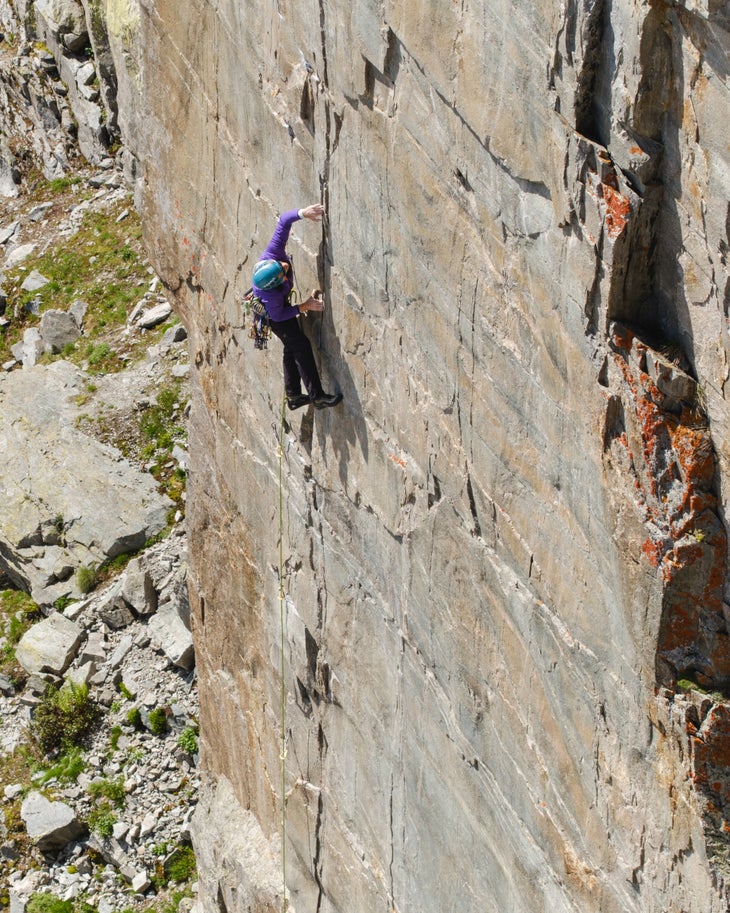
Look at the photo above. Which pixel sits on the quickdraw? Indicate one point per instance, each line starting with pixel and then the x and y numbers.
pixel 260 330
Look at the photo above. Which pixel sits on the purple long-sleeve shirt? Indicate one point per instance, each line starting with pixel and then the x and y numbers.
pixel 274 299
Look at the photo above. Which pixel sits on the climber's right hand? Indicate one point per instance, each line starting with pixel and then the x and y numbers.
pixel 314 212
pixel 313 303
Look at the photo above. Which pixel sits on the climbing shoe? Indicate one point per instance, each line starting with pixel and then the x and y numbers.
pixel 327 399
pixel 296 402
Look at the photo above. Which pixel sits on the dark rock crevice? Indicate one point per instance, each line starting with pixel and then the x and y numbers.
pixel 592 106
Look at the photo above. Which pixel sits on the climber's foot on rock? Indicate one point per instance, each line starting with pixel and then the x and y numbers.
pixel 327 399
pixel 296 402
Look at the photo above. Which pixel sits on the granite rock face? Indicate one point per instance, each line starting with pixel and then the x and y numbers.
pixel 505 554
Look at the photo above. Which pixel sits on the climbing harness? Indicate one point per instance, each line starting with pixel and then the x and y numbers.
pixel 282 734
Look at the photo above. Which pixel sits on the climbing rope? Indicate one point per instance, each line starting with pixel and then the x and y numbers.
pixel 282 752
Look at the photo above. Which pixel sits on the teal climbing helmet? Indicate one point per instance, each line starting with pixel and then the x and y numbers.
pixel 268 274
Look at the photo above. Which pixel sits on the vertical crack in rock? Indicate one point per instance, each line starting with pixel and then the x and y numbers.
pixel 593 93
pixel 318 838
pixel 657 430
pixel 324 260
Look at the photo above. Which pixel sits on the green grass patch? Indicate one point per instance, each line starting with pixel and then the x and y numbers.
pixel 180 865
pixel 65 718
pixel 102 819
pixel 161 428
pixel 19 765
pixel 66 768
pixel 17 613
pixel 188 740
pixel 114 736
pixel 686 684
pixel 112 790
pixel 159 424
pixel 48 903
pixel 158 721
pixel 134 718
pixel 59 185
pixel 103 264
pixel 86 578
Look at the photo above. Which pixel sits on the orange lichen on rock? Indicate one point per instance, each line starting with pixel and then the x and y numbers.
pixel 686 543
pixel 652 550
pixel 711 767
pixel 618 210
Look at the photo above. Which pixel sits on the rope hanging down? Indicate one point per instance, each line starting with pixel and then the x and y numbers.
pixel 282 736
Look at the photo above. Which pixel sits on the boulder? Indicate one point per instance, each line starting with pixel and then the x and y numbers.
pixel 39 211
pixel 114 852
pixel 18 254
pixel 50 825
pixel 9 177
pixel 65 22
pixel 113 610
pixel 78 311
pixel 71 476
pixel 9 231
pixel 94 650
pixel 86 74
pixel 34 281
pixel 141 882
pixel 173 335
pixel 120 651
pixel 18 902
pixel 6 686
pixel 81 675
pixel 155 315
pixel 50 645
pixel 170 634
pixel 32 347
pixel 58 329
pixel 138 588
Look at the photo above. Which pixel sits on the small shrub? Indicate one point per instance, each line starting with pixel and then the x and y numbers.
pixel 16 629
pixel 98 353
pixel 181 864
pixel 125 692
pixel 686 684
pixel 20 611
pixel 66 769
pixel 58 185
pixel 172 903
pixel 48 903
pixel 188 740
pixel 102 819
pixel 86 579
pixel 158 721
pixel 112 790
pixel 114 737
pixel 65 718
pixel 134 718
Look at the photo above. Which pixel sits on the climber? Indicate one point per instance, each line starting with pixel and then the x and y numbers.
pixel 273 279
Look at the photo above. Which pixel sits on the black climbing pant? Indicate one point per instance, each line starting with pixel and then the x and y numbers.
pixel 299 364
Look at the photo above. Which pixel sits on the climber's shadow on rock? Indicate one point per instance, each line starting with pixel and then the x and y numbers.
pixel 344 425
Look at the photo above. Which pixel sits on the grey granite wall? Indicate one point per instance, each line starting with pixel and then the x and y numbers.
pixel 507 546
